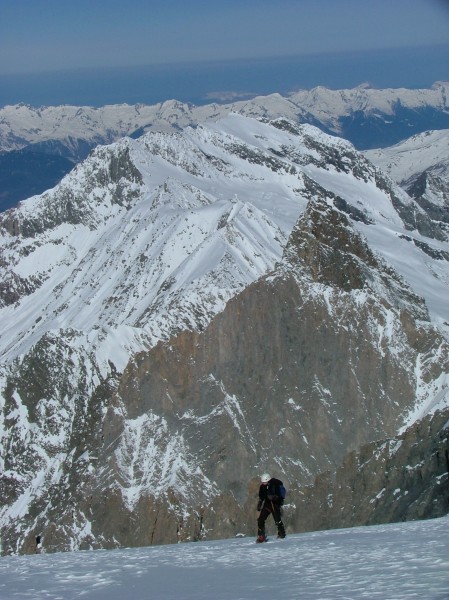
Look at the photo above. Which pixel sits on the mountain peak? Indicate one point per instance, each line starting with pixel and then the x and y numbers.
pixel 185 304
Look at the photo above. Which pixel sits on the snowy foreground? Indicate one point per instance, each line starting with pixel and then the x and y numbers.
pixel 405 560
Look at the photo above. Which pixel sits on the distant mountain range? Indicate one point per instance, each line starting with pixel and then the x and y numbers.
pixel 189 308
pixel 39 145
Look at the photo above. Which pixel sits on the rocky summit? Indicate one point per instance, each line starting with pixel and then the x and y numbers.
pixel 188 309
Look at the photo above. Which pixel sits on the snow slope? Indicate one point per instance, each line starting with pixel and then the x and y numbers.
pixel 212 212
pixel 386 562
pixel 421 152
pixel 325 104
pixel 221 222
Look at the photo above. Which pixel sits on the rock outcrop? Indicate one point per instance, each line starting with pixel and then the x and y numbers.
pixel 399 479
pixel 301 370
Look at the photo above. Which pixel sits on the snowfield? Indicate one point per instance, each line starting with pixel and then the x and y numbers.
pixel 383 562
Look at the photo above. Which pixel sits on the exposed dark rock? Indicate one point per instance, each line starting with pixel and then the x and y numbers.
pixel 430 185
pixel 112 171
pixel 13 287
pixel 399 479
pixel 420 215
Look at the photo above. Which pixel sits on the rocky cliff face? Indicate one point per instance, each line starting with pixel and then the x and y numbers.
pixel 420 164
pixel 230 311
pixel 296 372
pixel 398 479
pixel 431 192
pixel 289 378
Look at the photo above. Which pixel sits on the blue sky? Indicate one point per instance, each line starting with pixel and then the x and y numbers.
pixel 42 35
pixel 109 51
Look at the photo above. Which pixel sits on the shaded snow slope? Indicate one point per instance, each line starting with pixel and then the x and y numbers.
pixel 400 561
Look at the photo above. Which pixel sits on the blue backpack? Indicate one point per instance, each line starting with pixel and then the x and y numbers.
pixel 282 491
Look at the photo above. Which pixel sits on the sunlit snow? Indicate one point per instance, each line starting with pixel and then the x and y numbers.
pixel 385 562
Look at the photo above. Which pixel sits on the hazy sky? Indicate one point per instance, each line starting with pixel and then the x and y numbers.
pixel 42 35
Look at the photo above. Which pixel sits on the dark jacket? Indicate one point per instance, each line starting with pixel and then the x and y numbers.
pixel 270 493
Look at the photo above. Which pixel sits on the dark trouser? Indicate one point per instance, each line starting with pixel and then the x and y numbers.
pixel 269 508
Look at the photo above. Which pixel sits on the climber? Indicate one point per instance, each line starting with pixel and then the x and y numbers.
pixel 271 498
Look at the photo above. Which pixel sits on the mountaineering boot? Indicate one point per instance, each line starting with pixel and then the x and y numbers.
pixel 260 539
pixel 281 530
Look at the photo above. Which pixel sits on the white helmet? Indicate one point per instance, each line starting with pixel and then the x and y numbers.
pixel 265 478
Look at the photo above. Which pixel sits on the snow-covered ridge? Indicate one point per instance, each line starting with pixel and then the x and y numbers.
pixel 21 124
pixel 421 152
pixel 194 213
pixel 182 220
pixel 44 143
pixel 324 104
